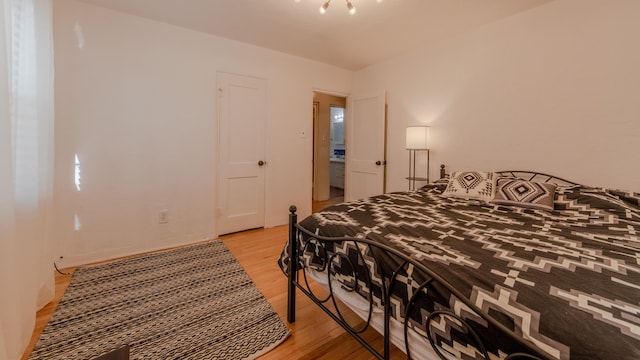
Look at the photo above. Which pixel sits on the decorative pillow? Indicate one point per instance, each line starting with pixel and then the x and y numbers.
pixel 524 193
pixel 471 185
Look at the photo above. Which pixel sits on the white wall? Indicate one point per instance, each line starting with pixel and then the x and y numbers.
pixel 554 89
pixel 136 100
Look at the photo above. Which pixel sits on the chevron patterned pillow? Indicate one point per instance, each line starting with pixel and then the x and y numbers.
pixel 471 185
pixel 524 193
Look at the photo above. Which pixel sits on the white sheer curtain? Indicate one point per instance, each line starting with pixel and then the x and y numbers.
pixel 26 168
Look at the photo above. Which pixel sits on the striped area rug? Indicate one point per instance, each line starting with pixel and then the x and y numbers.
pixel 194 302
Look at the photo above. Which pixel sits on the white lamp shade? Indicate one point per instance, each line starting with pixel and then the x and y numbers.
pixel 417 137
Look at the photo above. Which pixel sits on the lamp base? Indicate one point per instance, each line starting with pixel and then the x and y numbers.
pixel 412 170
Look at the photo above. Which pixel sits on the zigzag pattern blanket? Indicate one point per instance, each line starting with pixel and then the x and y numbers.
pixel 566 280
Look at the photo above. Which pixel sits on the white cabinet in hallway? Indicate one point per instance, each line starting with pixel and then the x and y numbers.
pixel 336 173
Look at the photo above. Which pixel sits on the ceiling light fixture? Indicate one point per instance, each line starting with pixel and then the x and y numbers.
pixel 350 7
pixel 323 8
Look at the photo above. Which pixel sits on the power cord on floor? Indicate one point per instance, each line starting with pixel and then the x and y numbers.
pixel 58 270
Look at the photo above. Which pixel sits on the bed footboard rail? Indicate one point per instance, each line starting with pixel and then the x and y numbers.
pixel 293 265
pixel 297 280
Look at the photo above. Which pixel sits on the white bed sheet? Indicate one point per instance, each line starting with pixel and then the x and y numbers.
pixel 419 345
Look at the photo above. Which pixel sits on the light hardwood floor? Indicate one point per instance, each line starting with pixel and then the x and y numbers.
pixel 313 336
pixel 335 198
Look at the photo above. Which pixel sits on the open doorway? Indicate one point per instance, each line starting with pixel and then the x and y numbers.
pixel 329 149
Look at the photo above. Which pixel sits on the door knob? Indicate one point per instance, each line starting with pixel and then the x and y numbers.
pixel 260 163
pixel 378 163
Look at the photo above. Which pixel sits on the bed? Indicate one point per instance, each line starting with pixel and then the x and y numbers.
pixel 493 275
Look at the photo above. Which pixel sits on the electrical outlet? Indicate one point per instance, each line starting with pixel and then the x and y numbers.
pixel 163 217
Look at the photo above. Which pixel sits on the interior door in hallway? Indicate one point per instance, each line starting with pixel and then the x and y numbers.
pixel 241 153
pixel 366 139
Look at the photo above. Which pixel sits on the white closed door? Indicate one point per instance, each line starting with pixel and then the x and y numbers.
pixel 366 146
pixel 241 152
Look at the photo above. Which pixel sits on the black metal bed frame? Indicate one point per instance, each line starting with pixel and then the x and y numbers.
pixel 529 351
pixel 535 176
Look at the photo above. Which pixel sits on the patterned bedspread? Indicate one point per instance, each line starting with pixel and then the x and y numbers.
pixel 567 280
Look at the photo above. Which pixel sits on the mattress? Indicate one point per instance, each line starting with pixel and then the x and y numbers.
pixel 566 281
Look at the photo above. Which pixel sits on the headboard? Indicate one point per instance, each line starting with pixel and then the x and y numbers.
pixel 526 175
pixel 537 177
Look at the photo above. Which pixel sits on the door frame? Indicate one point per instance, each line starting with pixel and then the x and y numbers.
pixel 313 126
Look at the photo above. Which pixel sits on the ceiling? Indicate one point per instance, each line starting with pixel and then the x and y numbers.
pixel 377 31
